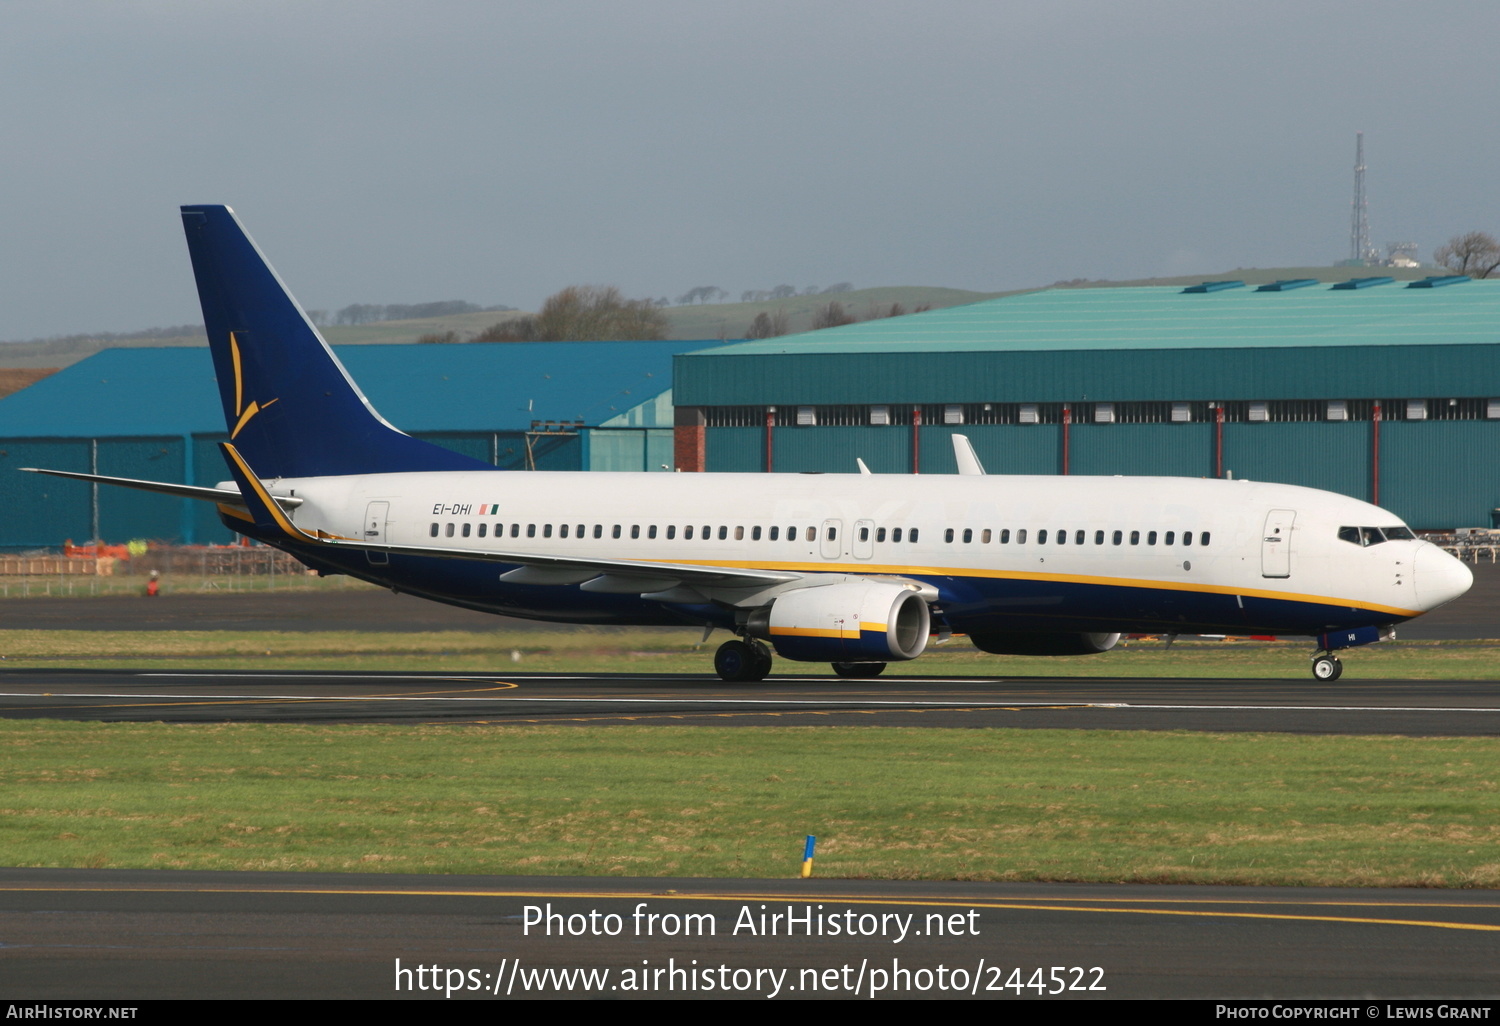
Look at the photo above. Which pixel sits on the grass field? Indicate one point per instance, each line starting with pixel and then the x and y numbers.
pixel 663 801
pixel 1100 806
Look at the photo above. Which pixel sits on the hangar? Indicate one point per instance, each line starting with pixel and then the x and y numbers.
pixel 155 414
pixel 1382 390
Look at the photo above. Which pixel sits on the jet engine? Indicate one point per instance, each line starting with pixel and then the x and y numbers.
pixel 854 622
pixel 1029 643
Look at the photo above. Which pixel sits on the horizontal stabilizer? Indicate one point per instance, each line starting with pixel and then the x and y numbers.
pixel 226 495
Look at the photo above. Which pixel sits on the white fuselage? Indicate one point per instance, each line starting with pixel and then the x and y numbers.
pixel 1138 553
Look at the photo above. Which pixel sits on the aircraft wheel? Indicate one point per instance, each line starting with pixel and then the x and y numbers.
pixel 859 670
pixel 1327 668
pixel 737 661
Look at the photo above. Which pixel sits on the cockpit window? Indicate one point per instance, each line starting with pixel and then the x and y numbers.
pixel 1367 536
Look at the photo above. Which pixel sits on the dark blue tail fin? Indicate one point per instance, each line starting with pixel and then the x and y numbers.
pixel 290 406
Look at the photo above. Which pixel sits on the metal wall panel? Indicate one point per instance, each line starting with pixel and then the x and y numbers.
pixel 630 450
pixel 1436 474
pixel 40 511
pixel 1331 456
pixel 734 450
pixel 1143 450
pixel 126 513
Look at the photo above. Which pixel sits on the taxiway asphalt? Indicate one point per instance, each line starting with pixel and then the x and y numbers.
pixel 1448 708
pixel 125 935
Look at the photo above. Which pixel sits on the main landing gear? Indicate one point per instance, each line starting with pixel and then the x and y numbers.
pixel 1327 667
pixel 742 661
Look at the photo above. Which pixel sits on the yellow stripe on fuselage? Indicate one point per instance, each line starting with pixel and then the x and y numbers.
pixel 1092 579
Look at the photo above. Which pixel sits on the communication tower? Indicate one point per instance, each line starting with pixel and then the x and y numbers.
pixel 1360 250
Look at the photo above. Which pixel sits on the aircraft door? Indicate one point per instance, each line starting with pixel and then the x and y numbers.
pixel 833 545
pixel 863 542
pixel 375 516
pixel 1276 543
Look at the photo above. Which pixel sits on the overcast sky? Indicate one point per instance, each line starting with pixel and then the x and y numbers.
pixel 495 151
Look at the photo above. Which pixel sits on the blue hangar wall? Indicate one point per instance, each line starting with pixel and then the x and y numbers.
pixel 1377 389
pixel 155 414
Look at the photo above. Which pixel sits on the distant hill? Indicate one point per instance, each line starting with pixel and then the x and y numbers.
pixel 706 321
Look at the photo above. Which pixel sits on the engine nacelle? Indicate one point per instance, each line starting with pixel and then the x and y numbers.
pixel 859 621
pixel 1029 643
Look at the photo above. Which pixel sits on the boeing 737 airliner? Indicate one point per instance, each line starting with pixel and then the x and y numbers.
pixel 854 570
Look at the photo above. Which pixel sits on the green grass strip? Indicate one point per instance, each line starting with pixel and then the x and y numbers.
pixel 1096 806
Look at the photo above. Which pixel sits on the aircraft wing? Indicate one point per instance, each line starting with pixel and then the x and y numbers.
pixel 624 576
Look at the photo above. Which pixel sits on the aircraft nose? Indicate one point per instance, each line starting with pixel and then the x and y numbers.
pixel 1439 577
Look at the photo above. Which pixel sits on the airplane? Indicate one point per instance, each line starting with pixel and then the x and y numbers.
pixel 854 570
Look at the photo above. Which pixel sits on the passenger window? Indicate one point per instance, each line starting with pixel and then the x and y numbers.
pixel 948 535
pixel 434 530
pixel 1169 537
pixel 635 530
pixel 864 534
pixel 984 539
pixel 1005 536
pixel 775 533
pixel 755 533
pixel 724 534
pixel 598 530
pixel 739 534
pixel 1062 537
pixel 515 530
pixel 896 534
pixel 482 529
pixel 1150 537
pixel 1187 537
pixel 1021 536
pixel 1135 537
pixel 1117 537
pixel 687 533
pixel 616 532
pixel 968 535
pixel 651 531
pixel 531 530
pixel 546 530
pixel 879 533
pixel 812 534
pixel 467 528
pixel 1098 537
pixel 912 536
pixel 448 531
pixel 1203 538
pixel 1078 537
pixel 563 531
pixel 1041 537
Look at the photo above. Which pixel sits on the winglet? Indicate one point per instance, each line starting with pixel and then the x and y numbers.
pixel 968 459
